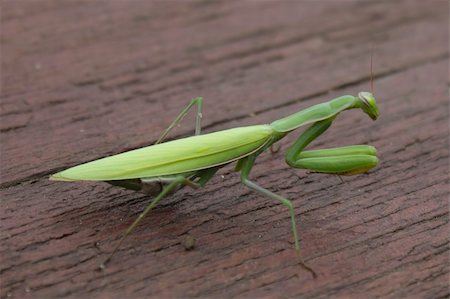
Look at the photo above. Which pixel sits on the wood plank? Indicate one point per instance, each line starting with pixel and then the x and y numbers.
pixel 88 79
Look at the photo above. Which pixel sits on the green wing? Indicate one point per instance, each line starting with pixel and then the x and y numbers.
pixel 178 156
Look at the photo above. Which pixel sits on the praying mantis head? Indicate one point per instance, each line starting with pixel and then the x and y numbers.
pixel 368 104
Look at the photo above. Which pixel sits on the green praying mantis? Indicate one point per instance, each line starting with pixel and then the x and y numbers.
pixel 165 167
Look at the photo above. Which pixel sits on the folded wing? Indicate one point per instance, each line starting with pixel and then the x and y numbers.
pixel 173 157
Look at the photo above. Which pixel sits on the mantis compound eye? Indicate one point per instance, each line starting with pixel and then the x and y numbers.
pixel 369 104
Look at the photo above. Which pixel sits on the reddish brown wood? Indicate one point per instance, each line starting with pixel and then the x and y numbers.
pixel 85 79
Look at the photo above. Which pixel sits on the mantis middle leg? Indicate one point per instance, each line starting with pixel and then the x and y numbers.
pixel 247 166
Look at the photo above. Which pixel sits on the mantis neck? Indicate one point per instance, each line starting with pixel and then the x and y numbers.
pixel 315 113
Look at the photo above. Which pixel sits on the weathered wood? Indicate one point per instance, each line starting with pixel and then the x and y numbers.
pixel 81 80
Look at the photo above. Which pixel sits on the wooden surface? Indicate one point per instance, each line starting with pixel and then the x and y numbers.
pixel 86 79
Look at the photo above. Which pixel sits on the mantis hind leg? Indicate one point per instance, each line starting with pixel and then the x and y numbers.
pixel 196 101
pixel 166 190
pixel 137 184
pixel 172 184
pixel 247 165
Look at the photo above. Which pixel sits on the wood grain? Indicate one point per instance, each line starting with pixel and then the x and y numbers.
pixel 86 79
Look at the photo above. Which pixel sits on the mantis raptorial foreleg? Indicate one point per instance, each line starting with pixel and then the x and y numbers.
pixel 341 160
pixel 198 121
pixel 246 168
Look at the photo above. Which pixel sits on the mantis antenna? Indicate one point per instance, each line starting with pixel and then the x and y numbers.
pixel 371 71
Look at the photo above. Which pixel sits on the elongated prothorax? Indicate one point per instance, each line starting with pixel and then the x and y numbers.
pixel 315 113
